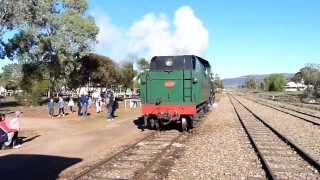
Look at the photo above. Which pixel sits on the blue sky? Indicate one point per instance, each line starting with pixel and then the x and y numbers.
pixel 244 37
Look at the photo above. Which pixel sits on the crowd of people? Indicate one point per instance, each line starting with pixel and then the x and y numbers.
pixel 85 101
pixel 9 131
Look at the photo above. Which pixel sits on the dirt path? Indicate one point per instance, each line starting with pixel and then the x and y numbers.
pixel 58 147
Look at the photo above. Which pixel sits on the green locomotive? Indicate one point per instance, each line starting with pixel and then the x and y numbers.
pixel 175 89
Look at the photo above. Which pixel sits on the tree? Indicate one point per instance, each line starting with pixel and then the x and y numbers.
pixel 275 82
pixel 127 74
pixel 11 74
pixel 11 85
pixel 14 15
pixel 136 84
pixel 310 74
pixel 297 77
pixel 95 69
pixel 55 33
pixel 250 83
pixel 262 85
pixel 143 64
pixel 217 82
pixel 34 82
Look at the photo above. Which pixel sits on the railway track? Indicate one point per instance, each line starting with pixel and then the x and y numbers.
pixel 135 161
pixel 313 119
pixel 280 157
pixel 138 160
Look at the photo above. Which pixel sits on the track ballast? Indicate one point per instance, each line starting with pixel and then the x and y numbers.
pixel 280 157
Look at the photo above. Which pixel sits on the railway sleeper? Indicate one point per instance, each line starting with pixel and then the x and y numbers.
pixel 272 149
pixel 128 164
pixel 117 174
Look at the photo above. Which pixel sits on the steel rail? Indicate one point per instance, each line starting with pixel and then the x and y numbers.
pixel 140 173
pixel 304 113
pixel 302 118
pixel 100 163
pixel 143 171
pixel 298 149
pixel 264 163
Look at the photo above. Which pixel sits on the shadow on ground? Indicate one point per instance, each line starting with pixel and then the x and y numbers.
pixel 32 166
pixel 139 122
pixel 9 104
pixel 24 139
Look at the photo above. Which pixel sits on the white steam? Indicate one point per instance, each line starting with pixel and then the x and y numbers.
pixel 155 35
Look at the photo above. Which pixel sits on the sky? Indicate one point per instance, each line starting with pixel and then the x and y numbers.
pixel 237 37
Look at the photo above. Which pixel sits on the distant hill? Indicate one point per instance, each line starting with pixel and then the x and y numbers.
pixel 238 81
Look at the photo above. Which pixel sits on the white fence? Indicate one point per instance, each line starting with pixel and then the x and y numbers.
pixel 7 93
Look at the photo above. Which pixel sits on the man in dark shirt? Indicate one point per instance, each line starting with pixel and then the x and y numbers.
pixel 109 104
pixel 84 105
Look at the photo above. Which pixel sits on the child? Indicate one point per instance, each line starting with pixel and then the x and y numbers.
pixel 71 104
pixel 61 107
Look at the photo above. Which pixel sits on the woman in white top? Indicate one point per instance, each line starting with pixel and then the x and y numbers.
pixel 71 104
pixel 15 123
pixel 98 104
pixel 97 101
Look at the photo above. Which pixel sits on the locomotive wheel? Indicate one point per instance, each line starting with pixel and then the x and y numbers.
pixel 145 122
pixel 184 124
pixel 165 122
pixel 206 109
pixel 152 123
pixel 191 123
pixel 201 113
pixel 156 124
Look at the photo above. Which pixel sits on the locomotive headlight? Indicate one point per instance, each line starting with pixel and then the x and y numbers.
pixel 169 62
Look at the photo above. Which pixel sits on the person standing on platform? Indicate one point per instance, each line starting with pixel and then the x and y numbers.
pixel 71 104
pixel 79 106
pixel 51 107
pixel 97 101
pixel 61 107
pixel 98 104
pixel 84 105
pixel 109 104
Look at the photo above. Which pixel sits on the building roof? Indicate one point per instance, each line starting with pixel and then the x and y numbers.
pixel 292 84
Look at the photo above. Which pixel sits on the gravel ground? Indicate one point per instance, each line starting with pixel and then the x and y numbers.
pixel 219 150
pixel 283 161
pixel 292 111
pixel 277 103
pixel 300 132
pixel 286 98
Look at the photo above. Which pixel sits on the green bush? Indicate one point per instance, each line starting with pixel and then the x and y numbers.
pixel 33 90
pixel 24 99
pixel 275 82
